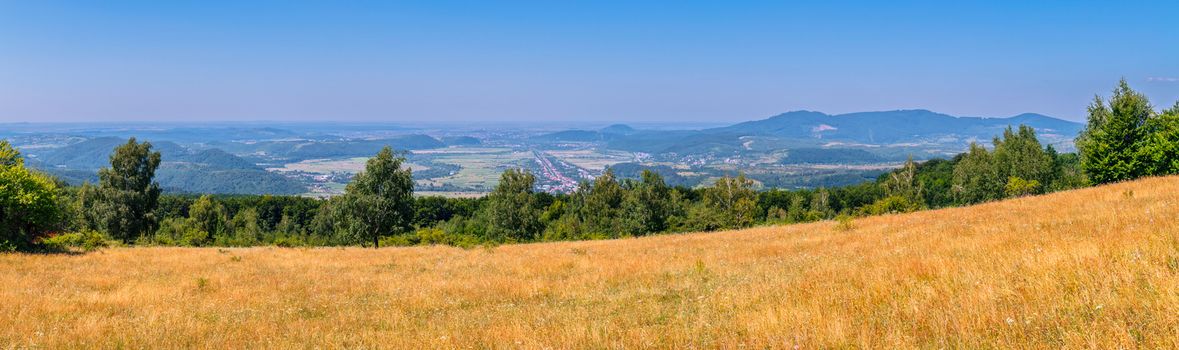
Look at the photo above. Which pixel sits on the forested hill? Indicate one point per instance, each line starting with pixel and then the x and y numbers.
pixel 181 169
pixel 895 126
pixel 812 129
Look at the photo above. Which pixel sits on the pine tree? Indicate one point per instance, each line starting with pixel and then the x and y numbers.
pixel 1109 144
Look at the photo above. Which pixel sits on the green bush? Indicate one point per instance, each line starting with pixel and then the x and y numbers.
pixel 84 240
pixel 843 222
pixel 28 202
pixel 1018 187
pixel 890 205
pixel 397 241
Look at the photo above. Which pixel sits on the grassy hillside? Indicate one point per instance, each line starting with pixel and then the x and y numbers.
pixel 1093 268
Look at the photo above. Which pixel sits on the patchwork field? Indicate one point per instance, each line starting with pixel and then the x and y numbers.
pixel 591 159
pixel 328 166
pixel 480 168
pixel 1093 268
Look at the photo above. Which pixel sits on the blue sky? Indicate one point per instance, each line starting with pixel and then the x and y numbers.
pixel 700 61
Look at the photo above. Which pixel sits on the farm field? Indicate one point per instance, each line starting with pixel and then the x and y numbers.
pixel 591 159
pixel 328 166
pixel 480 168
pixel 1090 268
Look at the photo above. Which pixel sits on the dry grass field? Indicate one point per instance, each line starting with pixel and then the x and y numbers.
pixel 1094 268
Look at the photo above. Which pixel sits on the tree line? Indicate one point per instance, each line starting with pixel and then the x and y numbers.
pixel 1125 138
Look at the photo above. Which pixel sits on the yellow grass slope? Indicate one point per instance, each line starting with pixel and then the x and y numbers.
pixel 1094 268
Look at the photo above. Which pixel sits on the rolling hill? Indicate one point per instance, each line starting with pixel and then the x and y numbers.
pixel 181 169
pixel 808 129
pixel 1090 268
pixel 896 126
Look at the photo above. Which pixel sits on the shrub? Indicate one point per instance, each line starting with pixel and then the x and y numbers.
pixel 890 205
pixel 28 201
pixel 1018 187
pixel 843 222
pixel 85 240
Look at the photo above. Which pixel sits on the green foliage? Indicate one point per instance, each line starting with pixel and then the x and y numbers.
pixel 1126 139
pixel 1018 187
pixel 1158 152
pixel 1018 166
pixel 123 204
pixel 891 205
pixel 432 236
pixel 648 205
pixel 432 210
pixel 379 200
pixel 734 199
pixel 243 229
pixel 820 207
pixel 513 212
pixel 1019 154
pixel 87 240
pixel 29 206
pixel 1067 168
pixel 903 183
pixel 700 217
pixel 976 177
pixel 1110 143
pixel 209 215
pixel 599 205
pixel 181 232
pixel 844 222
pixel 9 156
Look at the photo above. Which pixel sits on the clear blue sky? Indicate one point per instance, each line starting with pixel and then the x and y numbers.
pixel 710 61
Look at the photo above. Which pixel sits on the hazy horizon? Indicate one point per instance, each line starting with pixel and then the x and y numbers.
pixel 606 62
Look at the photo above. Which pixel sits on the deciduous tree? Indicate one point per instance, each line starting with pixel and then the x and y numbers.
pixel 28 201
pixel 512 210
pixel 379 200
pixel 124 202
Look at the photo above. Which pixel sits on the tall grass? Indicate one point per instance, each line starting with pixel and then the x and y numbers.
pixel 1092 268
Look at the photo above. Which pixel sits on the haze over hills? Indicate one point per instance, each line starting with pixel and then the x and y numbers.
pixel 820 129
pixel 797 149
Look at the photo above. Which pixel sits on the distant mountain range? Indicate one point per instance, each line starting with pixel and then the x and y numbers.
pixel 895 126
pixel 901 128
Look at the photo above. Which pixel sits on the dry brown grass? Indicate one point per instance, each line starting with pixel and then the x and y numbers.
pixel 1095 268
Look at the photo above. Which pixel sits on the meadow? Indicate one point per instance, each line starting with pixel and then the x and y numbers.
pixel 1089 268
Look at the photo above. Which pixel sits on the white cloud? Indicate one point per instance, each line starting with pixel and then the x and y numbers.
pixel 1163 79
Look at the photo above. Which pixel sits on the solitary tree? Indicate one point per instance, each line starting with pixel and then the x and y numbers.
pixel 379 200
pixel 124 202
